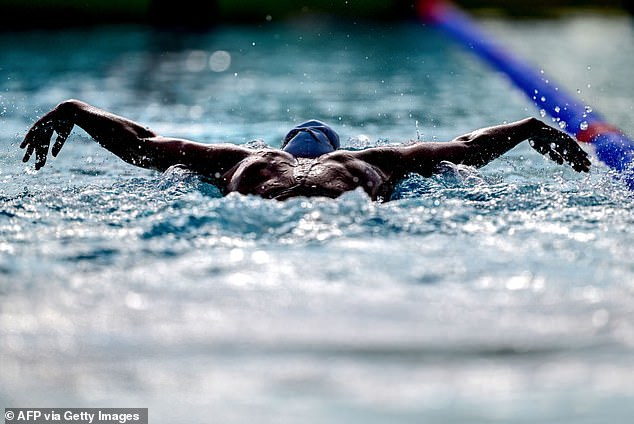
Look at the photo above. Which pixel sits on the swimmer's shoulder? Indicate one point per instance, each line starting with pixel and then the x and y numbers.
pixel 344 156
pixel 268 155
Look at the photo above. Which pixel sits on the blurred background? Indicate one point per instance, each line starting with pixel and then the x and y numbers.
pixel 204 14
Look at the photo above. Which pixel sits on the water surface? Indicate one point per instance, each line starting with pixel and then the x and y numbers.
pixel 504 294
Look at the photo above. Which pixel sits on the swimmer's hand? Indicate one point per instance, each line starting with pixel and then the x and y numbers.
pixel 559 147
pixel 38 138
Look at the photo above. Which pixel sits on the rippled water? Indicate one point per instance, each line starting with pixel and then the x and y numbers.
pixel 500 294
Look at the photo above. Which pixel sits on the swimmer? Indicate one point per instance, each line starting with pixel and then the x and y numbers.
pixel 309 162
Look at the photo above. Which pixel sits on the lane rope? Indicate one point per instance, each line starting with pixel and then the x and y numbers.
pixel 611 145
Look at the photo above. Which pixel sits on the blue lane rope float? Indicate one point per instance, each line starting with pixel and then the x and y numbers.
pixel 611 145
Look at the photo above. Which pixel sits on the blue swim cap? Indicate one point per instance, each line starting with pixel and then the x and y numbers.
pixel 311 139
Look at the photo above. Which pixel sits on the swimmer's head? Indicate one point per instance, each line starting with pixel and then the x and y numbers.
pixel 310 140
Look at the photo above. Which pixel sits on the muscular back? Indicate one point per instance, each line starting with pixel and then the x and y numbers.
pixel 278 175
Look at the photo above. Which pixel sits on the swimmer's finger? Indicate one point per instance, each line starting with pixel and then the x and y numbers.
pixel 59 143
pixel 40 158
pixel 581 166
pixel 28 153
pixel 36 132
pixel 41 148
pixel 546 148
pixel 30 141
pixel 30 136
pixel 63 130
pixel 577 157
pixel 555 156
pixel 573 154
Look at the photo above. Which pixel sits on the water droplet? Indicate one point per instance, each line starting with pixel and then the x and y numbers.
pixel 543 99
pixel 562 125
pixel 583 125
pixel 557 109
pixel 219 61
pixel 542 113
pixel 588 109
pixel 196 61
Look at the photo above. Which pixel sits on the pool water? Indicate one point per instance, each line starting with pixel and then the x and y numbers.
pixel 503 294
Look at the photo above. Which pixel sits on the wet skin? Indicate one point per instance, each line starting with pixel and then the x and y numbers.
pixel 276 174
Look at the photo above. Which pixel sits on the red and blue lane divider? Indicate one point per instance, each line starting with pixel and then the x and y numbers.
pixel 611 145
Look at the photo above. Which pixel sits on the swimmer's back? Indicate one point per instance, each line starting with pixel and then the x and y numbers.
pixel 279 175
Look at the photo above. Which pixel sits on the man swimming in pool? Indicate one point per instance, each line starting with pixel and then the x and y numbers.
pixel 309 162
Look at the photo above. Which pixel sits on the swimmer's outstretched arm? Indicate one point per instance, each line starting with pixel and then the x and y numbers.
pixel 482 146
pixel 486 144
pixel 127 139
